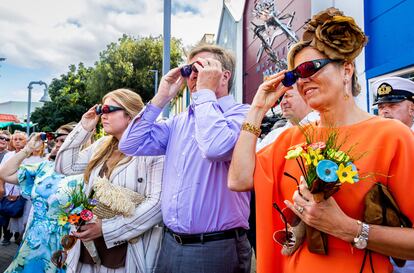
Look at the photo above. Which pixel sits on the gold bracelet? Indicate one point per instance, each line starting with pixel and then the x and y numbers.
pixel 246 126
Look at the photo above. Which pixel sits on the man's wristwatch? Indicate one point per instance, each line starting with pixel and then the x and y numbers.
pixel 361 241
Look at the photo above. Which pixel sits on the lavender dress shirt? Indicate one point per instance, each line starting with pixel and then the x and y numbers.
pixel 198 145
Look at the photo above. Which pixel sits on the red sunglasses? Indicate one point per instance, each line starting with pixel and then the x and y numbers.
pixel 304 70
pixel 286 237
pixel 106 109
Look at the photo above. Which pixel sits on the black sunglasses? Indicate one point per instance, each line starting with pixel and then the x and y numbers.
pixel 106 109
pixel 186 70
pixel 304 70
pixel 4 138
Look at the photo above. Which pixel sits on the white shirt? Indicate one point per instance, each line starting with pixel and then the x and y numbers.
pixel 273 135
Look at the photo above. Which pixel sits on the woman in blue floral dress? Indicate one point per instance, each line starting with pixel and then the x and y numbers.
pixel 48 191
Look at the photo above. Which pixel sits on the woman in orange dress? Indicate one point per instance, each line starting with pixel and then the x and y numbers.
pixel 330 44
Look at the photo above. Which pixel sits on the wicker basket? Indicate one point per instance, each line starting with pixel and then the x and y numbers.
pixel 105 209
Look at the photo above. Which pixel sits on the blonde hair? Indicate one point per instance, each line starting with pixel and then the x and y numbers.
pixel 132 104
pixel 224 56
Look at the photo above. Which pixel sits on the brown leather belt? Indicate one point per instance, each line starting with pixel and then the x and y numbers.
pixel 184 239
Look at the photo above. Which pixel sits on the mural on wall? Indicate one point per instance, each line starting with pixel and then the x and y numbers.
pixel 268 24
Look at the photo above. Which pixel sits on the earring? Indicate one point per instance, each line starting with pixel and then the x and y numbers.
pixel 346 95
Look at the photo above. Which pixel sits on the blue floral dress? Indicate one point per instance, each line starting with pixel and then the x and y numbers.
pixel 48 191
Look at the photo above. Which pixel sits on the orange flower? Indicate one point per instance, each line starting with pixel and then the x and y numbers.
pixel 73 219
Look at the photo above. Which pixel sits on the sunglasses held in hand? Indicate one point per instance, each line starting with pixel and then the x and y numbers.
pixel 304 70
pixel 59 257
pixel 106 109
pixel 286 237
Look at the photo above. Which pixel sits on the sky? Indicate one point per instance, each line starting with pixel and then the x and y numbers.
pixel 41 38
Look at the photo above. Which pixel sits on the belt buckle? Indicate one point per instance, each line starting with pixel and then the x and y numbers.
pixel 177 238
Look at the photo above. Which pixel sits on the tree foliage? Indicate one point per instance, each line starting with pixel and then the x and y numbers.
pixel 70 99
pixel 128 62
pixel 124 64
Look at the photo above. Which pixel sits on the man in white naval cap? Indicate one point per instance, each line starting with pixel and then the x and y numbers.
pixel 395 99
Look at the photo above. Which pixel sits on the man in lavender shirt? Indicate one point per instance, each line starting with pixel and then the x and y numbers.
pixel 205 222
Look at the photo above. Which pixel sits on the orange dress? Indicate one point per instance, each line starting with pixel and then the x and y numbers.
pixel 389 158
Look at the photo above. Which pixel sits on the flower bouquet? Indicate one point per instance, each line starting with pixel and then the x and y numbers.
pixel 324 166
pixel 77 212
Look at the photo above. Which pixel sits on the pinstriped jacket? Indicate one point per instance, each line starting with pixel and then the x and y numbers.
pixel 142 174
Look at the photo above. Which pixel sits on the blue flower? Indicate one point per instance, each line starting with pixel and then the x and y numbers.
pixel 326 171
pixel 354 168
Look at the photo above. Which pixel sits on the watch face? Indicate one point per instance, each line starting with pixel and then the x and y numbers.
pixel 360 243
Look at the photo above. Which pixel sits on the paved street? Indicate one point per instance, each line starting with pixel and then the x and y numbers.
pixel 6 255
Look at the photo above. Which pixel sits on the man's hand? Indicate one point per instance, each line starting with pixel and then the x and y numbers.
pixel 170 84
pixel 209 74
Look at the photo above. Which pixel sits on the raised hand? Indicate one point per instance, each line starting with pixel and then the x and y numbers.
pixel 170 84
pixel 35 143
pixel 209 73
pixel 270 91
pixel 90 119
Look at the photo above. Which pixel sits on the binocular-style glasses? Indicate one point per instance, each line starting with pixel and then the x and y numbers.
pixel 106 109
pixel 186 70
pixel 50 136
pixel 304 70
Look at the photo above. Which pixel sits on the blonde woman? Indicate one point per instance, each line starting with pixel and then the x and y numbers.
pixel 125 244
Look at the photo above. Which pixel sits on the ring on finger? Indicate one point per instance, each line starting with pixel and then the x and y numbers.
pixel 300 209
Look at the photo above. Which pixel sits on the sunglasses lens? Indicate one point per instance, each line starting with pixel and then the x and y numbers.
pixel 290 78
pixel 105 109
pixel 186 70
pixel 292 219
pixel 283 238
pixel 68 241
pixel 59 258
pixel 307 69
pixel 98 109
pixel 43 136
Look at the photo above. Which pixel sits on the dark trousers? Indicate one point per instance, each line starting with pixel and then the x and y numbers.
pixel 7 235
pixel 222 256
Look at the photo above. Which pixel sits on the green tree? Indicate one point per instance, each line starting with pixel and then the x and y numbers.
pixel 70 99
pixel 127 64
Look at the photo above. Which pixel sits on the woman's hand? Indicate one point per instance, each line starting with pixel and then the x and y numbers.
pixel 35 143
pixel 169 86
pixel 325 216
pixel 270 91
pixel 90 231
pixel 90 119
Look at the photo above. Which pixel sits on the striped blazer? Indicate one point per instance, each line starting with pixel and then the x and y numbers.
pixel 142 174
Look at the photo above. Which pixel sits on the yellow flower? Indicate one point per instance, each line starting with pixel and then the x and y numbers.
pixel 62 219
pixel 346 174
pixel 292 154
pixel 339 156
pixel 313 156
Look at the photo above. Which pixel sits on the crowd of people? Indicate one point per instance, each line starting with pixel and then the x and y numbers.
pixel 197 170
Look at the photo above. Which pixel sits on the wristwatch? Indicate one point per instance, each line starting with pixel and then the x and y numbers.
pixel 361 241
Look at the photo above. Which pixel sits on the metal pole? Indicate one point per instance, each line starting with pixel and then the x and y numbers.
pixel 29 101
pixel 155 80
pixel 167 41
